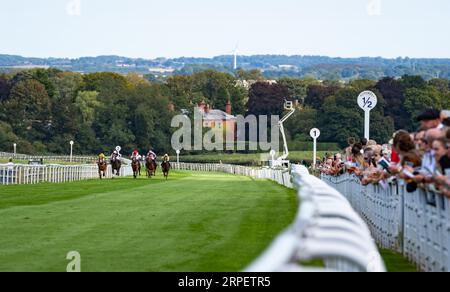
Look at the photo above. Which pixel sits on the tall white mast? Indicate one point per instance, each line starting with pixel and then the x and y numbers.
pixel 235 60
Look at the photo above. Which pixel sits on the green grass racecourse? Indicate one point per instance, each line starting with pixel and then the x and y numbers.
pixel 193 222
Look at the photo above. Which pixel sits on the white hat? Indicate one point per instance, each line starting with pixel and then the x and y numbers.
pixel 445 114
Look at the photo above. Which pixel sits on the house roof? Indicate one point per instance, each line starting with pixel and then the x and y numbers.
pixel 217 115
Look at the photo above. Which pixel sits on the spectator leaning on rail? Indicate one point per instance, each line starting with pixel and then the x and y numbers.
pixel 348 151
pixel 445 118
pixel 422 159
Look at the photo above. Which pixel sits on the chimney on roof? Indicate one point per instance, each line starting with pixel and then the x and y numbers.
pixel 202 106
pixel 228 107
pixel 207 108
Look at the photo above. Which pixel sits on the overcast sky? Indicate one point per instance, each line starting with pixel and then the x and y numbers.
pixel 173 28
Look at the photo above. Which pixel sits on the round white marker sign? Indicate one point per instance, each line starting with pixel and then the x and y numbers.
pixel 367 100
pixel 315 133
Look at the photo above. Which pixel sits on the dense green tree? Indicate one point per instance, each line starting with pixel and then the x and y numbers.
pixel 341 118
pixel 393 92
pixel 409 81
pixel 267 99
pixel 442 85
pixel 28 110
pixel 300 124
pixel 214 88
pixel 45 77
pixel 150 118
pixel 8 138
pixel 182 91
pixel 416 100
pixel 337 122
pixel 41 110
pixel 298 88
pixel 5 87
pixel 362 84
pixel 317 94
pixel 87 103
pixel 255 75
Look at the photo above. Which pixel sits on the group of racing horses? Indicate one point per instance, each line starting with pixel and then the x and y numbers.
pixel 150 165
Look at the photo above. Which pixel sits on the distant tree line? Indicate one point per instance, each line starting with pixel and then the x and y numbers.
pixel 43 109
pixel 273 66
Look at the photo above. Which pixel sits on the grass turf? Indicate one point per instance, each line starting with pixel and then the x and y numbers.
pixel 396 262
pixel 193 222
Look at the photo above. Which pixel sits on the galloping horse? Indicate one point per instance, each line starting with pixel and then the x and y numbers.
pixel 102 167
pixel 116 164
pixel 165 165
pixel 136 166
pixel 151 166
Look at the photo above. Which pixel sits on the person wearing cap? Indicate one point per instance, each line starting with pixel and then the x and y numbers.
pixel 430 119
pixel 135 155
pixel 101 157
pixel 114 156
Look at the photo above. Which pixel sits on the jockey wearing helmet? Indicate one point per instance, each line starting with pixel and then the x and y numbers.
pixel 114 155
pixel 135 155
pixel 101 157
pixel 166 158
pixel 152 155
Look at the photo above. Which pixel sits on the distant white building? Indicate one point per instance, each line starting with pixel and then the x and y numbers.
pixel 161 70
pixel 287 67
pixel 121 65
pixel 247 84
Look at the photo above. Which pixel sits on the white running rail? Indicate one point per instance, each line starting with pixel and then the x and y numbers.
pixel 75 159
pixel 31 174
pixel 415 224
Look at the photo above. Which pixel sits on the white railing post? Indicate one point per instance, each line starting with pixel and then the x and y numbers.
pixel 416 224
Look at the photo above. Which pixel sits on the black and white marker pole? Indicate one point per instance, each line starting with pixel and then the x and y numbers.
pixel 367 101
pixel 315 134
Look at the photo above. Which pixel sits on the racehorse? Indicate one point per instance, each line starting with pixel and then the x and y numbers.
pixel 165 168
pixel 136 166
pixel 151 166
pixel 102 167
pixel 116 164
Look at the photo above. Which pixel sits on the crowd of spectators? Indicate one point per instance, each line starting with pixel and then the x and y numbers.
pixel 421 159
